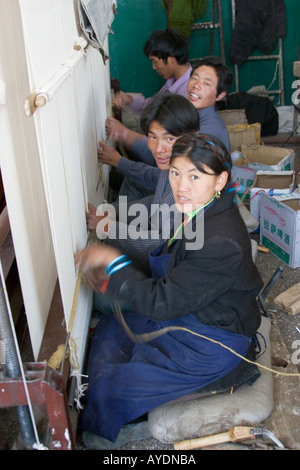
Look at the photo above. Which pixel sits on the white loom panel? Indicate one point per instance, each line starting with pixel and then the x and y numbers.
pixel 94 103
pixel 22 179
pixel 66 203
pixel 50 30
pixel 55 179
pixel 67 134
pixel 61 166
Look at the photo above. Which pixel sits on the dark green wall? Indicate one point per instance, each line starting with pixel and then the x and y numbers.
pixel 137 19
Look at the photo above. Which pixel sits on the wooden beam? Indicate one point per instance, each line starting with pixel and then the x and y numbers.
pixel 4 225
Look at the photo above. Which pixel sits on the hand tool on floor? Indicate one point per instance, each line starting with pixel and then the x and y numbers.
pixel 266 306
pixel 271 282
pixel 235 434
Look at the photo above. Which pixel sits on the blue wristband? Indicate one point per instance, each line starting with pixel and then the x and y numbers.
pixel 119 266
pixel 112 263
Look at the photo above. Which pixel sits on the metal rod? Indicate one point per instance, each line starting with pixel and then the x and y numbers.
pixel 13 369
pixel 263 305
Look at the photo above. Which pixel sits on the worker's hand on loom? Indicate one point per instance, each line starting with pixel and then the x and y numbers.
pixel 108 155
pixel 121 99
pixel 120 133
pixel 116 130
pixel 93 217
pixel 95 257
pixel 96 278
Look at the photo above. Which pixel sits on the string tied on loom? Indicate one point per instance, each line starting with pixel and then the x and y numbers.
pixel 69 349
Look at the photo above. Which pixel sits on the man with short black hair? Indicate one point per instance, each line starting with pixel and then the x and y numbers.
pixel 168 52
pixel 210 82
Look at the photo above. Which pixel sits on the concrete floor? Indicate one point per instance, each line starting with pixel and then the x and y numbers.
pixel 267 264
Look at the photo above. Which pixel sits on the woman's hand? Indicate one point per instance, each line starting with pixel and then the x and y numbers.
pixel 108 155
pixel 96 278
pixel 95 257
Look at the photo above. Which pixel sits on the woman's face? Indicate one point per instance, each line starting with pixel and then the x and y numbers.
pixel 160 142
pixel 191 188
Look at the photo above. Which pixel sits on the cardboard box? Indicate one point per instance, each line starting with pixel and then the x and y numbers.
pixel 244 176
pixel 240 134
pixel 233 116
pixel 265 157
pixel 296 68
pixel 271 182
pixel 280 226
pixel 297 182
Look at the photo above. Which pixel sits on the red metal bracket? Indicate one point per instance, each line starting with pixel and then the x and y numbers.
pixel 45 387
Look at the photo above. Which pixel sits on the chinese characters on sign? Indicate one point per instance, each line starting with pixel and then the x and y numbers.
pixel 277 231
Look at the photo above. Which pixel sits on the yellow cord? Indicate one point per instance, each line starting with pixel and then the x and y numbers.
pixel 74 303
pixel 63 350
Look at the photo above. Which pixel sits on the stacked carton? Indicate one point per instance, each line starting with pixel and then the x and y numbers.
pixel 280 226
pixel 253 162
pixel 269 186
pixel 241 134
pixel 273 183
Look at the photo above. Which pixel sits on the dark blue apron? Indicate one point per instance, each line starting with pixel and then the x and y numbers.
pixel 159 262
pixel 126 380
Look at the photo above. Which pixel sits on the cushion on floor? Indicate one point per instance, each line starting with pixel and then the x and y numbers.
pixel 249 405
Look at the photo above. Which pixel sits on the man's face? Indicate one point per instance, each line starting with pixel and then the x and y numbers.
pixel 202 87
pixel 160 142
pixel 163 69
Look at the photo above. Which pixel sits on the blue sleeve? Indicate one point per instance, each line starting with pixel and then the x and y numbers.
pixel 196 279
pixel 143 174
pixel 212 123
pixel 224 137
pixel 141 150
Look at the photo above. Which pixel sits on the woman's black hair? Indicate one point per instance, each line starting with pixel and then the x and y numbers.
pixel 168 43
pixel 175 113
pixel 203 150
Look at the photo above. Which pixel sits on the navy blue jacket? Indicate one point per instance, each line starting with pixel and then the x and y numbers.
pixel 217 283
